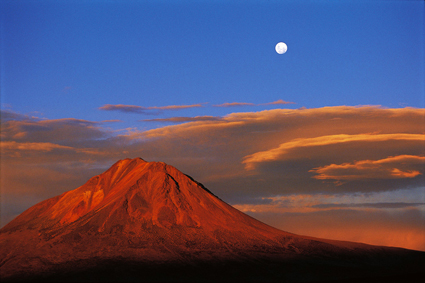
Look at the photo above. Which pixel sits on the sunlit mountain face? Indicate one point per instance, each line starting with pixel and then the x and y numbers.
pixel 147 221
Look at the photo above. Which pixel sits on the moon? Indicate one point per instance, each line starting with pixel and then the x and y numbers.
pixel 281 48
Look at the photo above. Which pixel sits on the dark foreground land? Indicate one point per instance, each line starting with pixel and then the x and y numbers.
pixel 407 269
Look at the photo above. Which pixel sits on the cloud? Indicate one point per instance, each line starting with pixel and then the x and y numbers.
pixel 300 144
pixel 63 131
pixel 7 115
pixel 142 110
pixel 176 107
pixel 14 149
pixel 280 152
pixel 399 228
pixel 184 119
pixel 379 205
pixel 37 146
pixel 308 203
pixel 233 104
pixel 123 108
pixel 284 145
pixel 49 142
pixel 402 166
pixel 112 121
pixel 383 218
pixel 280 101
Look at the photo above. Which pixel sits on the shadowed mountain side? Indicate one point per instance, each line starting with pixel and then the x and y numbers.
pixel 139 217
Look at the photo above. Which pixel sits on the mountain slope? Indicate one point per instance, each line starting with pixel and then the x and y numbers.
pixel 144 213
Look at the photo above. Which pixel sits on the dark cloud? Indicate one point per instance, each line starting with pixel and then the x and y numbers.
pixel 112 121
pixel 143 110
pixel 371 205
pixel 175 107
pixel 184 119
pixel 233 104
pixel 124 108
pixel 61 131
pixel 7 115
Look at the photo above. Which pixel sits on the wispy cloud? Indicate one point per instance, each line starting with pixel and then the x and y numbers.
pixel 123 108
pixel 394 167
pixel 37 146
pixel 184 119
pixel 284 148
pixel 308 203
pixel 146 110
pixel 65 131
pixel 142 109
pixel 7 115
pixel 112 121
pixel 280 101
pixel 15 149
pixel 377 205
pixel 236 104
pixel 233 104
pixel 176 107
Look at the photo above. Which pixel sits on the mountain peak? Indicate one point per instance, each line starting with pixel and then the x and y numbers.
pixel 131 193
pixel 146 212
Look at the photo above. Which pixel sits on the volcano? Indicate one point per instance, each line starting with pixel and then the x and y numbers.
pixel 147 221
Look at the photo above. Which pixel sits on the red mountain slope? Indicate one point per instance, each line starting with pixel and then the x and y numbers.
pixel 147 212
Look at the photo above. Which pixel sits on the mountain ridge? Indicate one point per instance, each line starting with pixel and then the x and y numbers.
pixel 145 213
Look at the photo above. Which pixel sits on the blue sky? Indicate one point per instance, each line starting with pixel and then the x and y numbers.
pixel 325 140
pixel 62 58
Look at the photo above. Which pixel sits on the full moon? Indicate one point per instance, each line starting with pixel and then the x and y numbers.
pixel 281 48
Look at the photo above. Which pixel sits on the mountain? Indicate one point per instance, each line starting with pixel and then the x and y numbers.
pixel 148 221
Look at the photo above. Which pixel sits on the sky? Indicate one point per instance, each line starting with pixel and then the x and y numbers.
pixel 325 140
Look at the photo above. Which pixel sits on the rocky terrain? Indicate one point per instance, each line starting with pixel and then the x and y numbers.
pixel 148 222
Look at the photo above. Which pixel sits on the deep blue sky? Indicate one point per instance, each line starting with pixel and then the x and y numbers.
pixel 65 59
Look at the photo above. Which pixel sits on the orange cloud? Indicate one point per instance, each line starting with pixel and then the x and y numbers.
pixel 37 146
pixel 297 140
pixel 279 152
pixel 289 124
pixel 402 166
pixel 404 174
pixel 280 101
pixel 287 144
pixel 13 148
pixel 62 154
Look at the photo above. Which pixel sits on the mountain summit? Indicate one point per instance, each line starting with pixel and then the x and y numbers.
pixel 140 214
